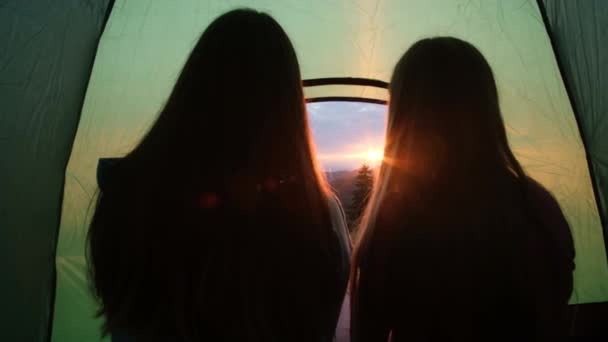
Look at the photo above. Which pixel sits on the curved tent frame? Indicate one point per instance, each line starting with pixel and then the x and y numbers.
pixel 355 81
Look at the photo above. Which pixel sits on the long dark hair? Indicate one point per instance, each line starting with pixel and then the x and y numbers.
pixel 217 226
pixel 446 222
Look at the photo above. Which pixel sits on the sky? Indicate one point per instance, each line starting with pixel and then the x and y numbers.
pixel 344 132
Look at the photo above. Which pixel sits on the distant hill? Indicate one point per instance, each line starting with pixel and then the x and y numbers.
pixel 343 184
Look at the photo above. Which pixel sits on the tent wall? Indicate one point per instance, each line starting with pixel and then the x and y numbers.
pixel 46 53
pixel 579 30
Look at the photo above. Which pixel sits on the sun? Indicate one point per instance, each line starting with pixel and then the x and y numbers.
pixel 374 156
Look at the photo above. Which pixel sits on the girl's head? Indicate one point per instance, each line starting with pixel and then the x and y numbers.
pixel 237 105
pixel 445 134
pixel 444 114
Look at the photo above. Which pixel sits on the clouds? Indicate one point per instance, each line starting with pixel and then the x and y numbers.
pixel 344 129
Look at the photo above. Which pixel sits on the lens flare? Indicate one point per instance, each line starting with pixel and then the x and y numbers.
pixel 374 156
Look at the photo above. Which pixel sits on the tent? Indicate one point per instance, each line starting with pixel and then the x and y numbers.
pixel 82 80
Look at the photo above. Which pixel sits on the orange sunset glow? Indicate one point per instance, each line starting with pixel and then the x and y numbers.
pixel 372 156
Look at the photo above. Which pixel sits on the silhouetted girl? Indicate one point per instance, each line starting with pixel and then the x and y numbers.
pixel 217 226
pixel 457 243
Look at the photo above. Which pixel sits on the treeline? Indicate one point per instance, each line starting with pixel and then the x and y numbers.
pixel 364 182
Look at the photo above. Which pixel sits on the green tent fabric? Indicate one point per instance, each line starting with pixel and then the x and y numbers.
pixel 578 30
pixel 47 60
pixel 46 53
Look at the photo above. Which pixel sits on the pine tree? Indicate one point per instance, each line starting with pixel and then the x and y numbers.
pixel 364 181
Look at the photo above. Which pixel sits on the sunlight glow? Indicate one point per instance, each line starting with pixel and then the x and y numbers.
pixel 374 156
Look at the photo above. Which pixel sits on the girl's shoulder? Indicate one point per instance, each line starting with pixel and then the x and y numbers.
pixel 338 220
pixel 552 218
pixel 544 203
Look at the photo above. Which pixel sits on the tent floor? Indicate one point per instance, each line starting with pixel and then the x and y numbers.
pixel 590 319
